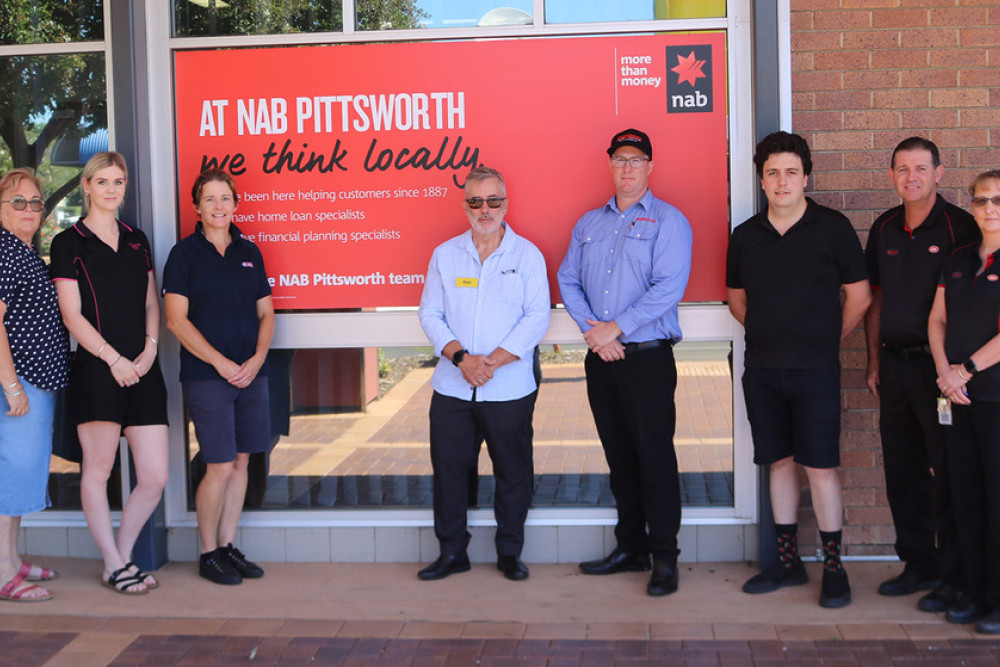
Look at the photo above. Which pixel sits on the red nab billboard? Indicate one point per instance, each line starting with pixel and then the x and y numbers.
pixel 350 159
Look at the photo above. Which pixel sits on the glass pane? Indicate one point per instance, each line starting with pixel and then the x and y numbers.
pixel 593 11
pixel 44 21
pixel 389 14
pixel 56 118
pixel 451 14
pixel 358 431
pixel 199 18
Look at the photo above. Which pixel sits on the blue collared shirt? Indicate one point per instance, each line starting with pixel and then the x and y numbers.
pixel 502 302
pixel 630 267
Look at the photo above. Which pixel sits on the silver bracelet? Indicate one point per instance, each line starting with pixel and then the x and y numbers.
pixel 155 342
pixel 13 393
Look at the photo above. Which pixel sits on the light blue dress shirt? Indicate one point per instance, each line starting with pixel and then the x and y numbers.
pixel 508 307
pixel 630 267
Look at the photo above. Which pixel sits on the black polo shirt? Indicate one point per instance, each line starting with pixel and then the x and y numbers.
pixel 906 265
pixel 792 283
pixel 222 293
pixel 972 306
pixel 112 283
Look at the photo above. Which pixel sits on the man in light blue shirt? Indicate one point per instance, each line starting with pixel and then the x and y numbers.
pixel 623 275
pixel 485 307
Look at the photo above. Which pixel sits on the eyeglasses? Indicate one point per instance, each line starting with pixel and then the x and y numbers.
pixel 492 202
pixel 980 202
pixel 634 162
pixel 19 203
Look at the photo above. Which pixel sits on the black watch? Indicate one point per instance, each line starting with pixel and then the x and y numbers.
pixel 970 367
pixel 458 356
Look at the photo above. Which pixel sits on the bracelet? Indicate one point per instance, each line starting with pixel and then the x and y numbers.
pixel 13 393
pixel 115 361
pixel 155 342
pixel 963 375
pixel 104 345
pixel 11 385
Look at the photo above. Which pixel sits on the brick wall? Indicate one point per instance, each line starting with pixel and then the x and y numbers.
pixel 865 75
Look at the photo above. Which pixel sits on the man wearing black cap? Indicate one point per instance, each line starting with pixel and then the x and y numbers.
pixel 621 280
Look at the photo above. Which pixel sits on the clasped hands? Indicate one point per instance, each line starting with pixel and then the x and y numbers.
pixel 602 339
pixel 952 385
pixel 477 369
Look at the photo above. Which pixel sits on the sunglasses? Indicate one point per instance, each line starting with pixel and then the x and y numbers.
pixel 492 202
pixel 980 202
pixel 19 203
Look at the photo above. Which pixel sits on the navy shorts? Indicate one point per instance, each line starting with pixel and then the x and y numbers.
pixel 94 396
pixel 794 412
pixel 228 420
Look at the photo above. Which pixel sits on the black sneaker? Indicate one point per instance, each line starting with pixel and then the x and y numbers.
pixel 775 577
pixel 215 567
pixel 836 590
pixel 247 569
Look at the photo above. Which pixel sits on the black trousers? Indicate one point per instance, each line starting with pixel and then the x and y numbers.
pixel 916 468
pixel 633 405
pixel 974 466
pixel 457 429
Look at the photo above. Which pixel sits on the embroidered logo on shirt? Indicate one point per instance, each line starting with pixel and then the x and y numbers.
pixel 466 282
pixel 892 253
pixel 934 250
pixel 248 265
pixel 644 220
pixel 992 277
pixel 956 274
pixel 134 246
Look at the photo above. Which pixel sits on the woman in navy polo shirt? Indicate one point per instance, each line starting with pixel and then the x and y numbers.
pixel 218 304
pixel 34 364
pixel 964 332
pixel 107 294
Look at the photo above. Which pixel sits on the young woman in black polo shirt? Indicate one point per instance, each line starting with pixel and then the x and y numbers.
pixel 964 333
pixel 107 295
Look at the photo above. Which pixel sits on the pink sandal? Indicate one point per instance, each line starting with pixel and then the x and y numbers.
pixel 14 592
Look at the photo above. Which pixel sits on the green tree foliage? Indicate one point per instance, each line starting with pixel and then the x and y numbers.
pixel 389 14
pixel 255 17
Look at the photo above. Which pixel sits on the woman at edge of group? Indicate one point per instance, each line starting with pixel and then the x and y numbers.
pixel 34 365
pixel 107 294
pixel 965 341
pixel 218 303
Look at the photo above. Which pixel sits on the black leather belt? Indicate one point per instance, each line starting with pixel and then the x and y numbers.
pixel 632 348
pixel 911 352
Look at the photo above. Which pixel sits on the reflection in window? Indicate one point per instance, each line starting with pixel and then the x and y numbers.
pixel 354 431
pixel 473 13
pixel 54 118
pixel 45 21
pixel 389 14
pixel 594 11
pixel 199 18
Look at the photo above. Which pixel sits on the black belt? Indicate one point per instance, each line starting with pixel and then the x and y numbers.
pixel 911 352
pixel 632 348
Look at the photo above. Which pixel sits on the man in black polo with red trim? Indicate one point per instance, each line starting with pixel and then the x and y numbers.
pixel 907 248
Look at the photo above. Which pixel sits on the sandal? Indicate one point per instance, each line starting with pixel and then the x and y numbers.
pixel 123 581
pixel 37 573
pixel 145 577
pixel 14 590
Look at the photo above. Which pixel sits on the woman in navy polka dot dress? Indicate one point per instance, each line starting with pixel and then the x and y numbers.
pixel 34 365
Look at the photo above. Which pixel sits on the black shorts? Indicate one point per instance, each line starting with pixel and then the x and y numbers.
pixel 794 412
pixel 94 396
pixel 228 420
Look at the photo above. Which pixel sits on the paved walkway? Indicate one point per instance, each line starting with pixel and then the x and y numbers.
pixel 362 614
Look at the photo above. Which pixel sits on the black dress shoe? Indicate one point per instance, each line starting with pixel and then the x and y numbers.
pixel 835 591
pixel 989 624
pixel 617 561
pixel 445 564
pixel 777 576
pixel 512 568
pixel 965 610
pixel 663 580
pixel 939 599
pixel 907 583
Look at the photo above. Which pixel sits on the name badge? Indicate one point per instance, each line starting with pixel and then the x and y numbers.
pixel 466 282
pixel 944 411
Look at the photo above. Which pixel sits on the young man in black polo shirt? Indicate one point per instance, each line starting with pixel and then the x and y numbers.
pixel 784 273
pixel 907 248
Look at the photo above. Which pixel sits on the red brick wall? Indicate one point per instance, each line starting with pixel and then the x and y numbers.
pixel 865 75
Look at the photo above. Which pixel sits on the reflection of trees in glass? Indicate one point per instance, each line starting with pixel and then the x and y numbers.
pixel 389 14
pixel 46 21
pixel 255 17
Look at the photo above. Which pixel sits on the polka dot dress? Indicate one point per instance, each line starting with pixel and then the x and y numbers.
pixel 38 341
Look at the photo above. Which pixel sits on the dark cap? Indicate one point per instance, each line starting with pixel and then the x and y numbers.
pixel 633 138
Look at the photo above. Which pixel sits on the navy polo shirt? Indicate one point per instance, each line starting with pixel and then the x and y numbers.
pixel 112 283
pixel 972 306
pixel 792 283
pixel 906 264
pixel 222 293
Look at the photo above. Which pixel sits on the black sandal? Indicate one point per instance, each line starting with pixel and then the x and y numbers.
pixel 145 577
pixel 123 581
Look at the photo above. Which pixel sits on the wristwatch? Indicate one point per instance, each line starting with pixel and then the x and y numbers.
pixel 458 356
pixel 970 366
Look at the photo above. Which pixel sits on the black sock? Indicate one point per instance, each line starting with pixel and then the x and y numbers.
pixel 831 550
pixel 788 544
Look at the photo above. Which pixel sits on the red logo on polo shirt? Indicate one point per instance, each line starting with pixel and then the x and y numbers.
pixel 992 277
pixel 134 246
pixel 934 250
pixel 248 265
pixel 892 253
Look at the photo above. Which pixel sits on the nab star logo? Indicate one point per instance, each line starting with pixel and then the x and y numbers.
pixel 992 277
pixel 689 79
pixel 934 250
